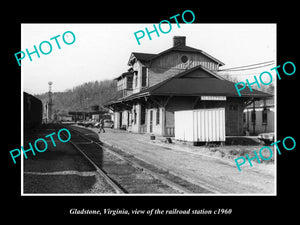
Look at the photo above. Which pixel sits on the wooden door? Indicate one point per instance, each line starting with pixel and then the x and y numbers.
pixel 151 121
pixel 232 123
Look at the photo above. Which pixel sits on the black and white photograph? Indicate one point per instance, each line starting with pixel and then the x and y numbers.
pixel 149 117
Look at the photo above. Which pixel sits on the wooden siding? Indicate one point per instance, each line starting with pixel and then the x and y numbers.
pixel 173 60
pixel 155 127
pixel 125 85
pixel 233 111
pixel 233 115
pixel 170 64
pixel 137 78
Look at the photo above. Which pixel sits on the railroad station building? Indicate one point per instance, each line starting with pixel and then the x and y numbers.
pixel 179 78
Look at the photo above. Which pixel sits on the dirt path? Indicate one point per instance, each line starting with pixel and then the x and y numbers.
pixel 221 176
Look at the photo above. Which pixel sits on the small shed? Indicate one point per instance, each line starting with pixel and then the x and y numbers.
pixel 202 125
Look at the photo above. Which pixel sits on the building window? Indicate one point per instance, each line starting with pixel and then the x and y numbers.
pixel 265 116
pixel 144 76
pixel 134 116
pixel 184 58
pixel 129 82
pixel 136 78
pixel 143 115
pixel 157 116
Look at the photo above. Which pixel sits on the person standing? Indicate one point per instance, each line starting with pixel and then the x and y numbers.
pixel 101 126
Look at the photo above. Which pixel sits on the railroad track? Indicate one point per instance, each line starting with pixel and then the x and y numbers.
pixel 123 173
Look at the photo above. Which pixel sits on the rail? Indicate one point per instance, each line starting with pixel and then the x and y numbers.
pixel 111 182
pixel 156 175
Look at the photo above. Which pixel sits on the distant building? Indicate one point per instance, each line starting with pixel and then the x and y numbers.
pixel 259 117
pixel 64 118
pixel 179 78
pixel 95 113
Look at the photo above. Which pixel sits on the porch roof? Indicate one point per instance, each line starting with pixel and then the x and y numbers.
pixel 213 85
pixel 202 86
pixel 182 85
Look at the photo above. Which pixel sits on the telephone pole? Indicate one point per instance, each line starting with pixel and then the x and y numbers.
pixel 49 104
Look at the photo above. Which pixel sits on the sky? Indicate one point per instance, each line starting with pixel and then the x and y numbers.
pixel 101 51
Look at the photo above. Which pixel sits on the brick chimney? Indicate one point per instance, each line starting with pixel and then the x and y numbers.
pixel 178 40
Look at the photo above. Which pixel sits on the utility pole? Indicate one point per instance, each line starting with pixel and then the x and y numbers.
pixel 49 104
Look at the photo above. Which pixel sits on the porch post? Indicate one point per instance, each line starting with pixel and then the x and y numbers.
pixel 163 121
pixel 253 118
pixel 138 117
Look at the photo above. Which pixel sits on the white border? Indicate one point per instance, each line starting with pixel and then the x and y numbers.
pixel 180 195
pixel 22 120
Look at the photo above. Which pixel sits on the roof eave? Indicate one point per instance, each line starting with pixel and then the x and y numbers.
pixel 205 94
pixel 212 58
pixel 130 58
pixel 189 50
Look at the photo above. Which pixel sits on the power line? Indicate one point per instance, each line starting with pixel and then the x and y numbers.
pixel 251 68
pixel 268 63
pixel 238 75
pixel 249 65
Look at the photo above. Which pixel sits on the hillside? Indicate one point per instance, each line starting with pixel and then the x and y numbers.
pixel 81 97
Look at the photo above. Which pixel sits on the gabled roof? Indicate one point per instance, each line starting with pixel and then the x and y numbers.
pixel 123 75
pixel 143 57
pixel 195 68
pixel 203 86
pixel 213 85
pixel 183 85
pixel 183 48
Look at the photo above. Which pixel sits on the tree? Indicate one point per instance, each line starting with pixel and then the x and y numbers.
pixel 82 97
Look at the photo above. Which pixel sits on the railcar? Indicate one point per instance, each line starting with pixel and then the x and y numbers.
pixel 33 111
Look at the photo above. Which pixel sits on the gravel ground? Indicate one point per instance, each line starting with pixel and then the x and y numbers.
pixel 197 164
pixel 60 169
pixel 66 183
